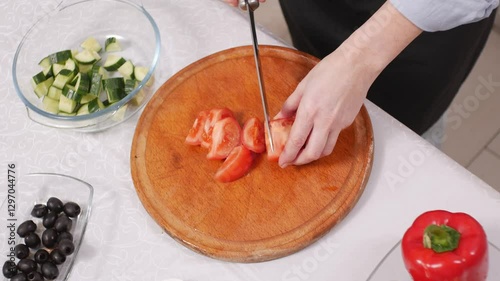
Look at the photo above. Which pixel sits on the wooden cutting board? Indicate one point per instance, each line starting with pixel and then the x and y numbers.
pixel 271 212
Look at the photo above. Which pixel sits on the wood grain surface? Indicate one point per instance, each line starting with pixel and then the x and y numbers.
pixel 269 213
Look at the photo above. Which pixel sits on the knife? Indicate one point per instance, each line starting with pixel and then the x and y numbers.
pixel 251 6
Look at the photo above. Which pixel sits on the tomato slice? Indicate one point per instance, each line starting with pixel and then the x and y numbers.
pixel 280 130
pixel 226 135
pixel 253 135
pixel 194 135
pixel 213 116
pixel 237 164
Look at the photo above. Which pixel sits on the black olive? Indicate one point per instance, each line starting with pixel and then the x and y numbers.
pixel 49 238
pixel 66 246
pixel 55 205
pixel 26 228
pixel 71 209
pixel 63 223
pixel 9 269
pixel 19 277
pixel 27 265
pixel 22 251
pixel 41 256
pixel 49 270
pixel 65 236
pixel 35 276
pixel 57 256
pixel 32 240
pixel 39 210
pixel 49 219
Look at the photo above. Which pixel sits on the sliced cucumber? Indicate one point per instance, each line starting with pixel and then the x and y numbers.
pixel 38 78
pixel 42 89
pixel 113 62
pixel 48 71
pixel 54 93
pixel 50 105
pixel 112 45
pixel 100 70
pixel 115 89
pixel 71 65
pixel 63 78
pixel 91 44
pixel 45 62
pixel 86 57
pixel 70 93
pixel 88 98
pixel 60 57
pixel 85 68
pixel 127 70
pixel 89 107
pixel 67 105
pixel 130 85
pixel 120 113
pixel 140 73
pixel 56 68
pixel 96 84
pixel 82 85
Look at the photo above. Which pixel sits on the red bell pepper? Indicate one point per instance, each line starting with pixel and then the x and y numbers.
pixel 444 246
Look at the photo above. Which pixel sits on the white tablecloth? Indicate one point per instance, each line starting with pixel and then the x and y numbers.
pixel 123 243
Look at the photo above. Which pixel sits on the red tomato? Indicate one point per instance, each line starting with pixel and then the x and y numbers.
pixel 213 116
pixel 253 135
pixel 226 135
pixel 280 129
pixel 194 135
pixel 237 164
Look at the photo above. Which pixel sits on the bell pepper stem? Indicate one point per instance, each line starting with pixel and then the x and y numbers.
pixel 441 238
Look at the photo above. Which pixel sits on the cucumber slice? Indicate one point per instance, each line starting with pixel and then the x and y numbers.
pixel 100 70
pixel 130 85
pixel 82 85
pixel 115 89
pixel 86 57
pixel 140 73
pixel 91 44
pixel 127 70
pixel 45 62
pixel 50 105
pixel 87 98
pixel 63 78
pixel 85 68
pixel 88 108
pixel 54 93
pixel 120 113
pixel 112 45
pixel 38 78
pixel 48 71
pixel 70 65
pixel 60 57
pixel 56 68
pixel 42 89
pixel 70 93
pixel 113 62
pixel 67 105
pixel 96 84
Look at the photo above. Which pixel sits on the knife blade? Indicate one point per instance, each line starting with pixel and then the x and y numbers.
pixel 251 6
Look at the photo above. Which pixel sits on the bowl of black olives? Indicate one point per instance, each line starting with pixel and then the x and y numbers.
pixel 46 219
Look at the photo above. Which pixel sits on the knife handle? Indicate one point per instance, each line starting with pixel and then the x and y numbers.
pixel 253 4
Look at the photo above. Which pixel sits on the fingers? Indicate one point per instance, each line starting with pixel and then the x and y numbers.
pixel 233 3
pixel 299 134
pixel 291 104
pixel 314 147
pixel 330 142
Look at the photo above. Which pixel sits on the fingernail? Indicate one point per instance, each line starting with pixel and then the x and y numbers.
pixel 283 165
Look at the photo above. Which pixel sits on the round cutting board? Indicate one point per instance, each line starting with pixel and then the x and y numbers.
pixel 269 213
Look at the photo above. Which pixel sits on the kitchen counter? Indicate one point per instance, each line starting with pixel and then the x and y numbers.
pixel 122 242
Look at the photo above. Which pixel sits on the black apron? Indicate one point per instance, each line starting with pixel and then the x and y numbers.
pixel 419 85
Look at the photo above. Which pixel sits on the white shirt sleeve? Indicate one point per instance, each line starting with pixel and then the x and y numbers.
pixel 438 15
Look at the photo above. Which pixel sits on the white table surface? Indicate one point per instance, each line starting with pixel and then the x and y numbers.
pixel 123 243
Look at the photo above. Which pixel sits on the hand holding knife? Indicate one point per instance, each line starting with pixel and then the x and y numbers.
pixel 251 6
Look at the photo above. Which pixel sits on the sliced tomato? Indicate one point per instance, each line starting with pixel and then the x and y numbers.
pixel 237 164
pixel 194 135
pixel 253 135
pixel 226 135
pixel 280 130
pixel 213 116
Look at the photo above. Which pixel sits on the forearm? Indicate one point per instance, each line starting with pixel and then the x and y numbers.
pixel 379 40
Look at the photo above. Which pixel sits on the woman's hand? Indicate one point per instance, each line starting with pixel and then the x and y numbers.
pixel 329 98
pixel 234 3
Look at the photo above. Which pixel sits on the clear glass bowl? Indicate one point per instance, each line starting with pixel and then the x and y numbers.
pixel 66 27
pixel 37 188
pixel 392 268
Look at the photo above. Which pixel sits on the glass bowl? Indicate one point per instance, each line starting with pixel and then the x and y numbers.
pixel 37 188
pixel 66 26
pixel 392 267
